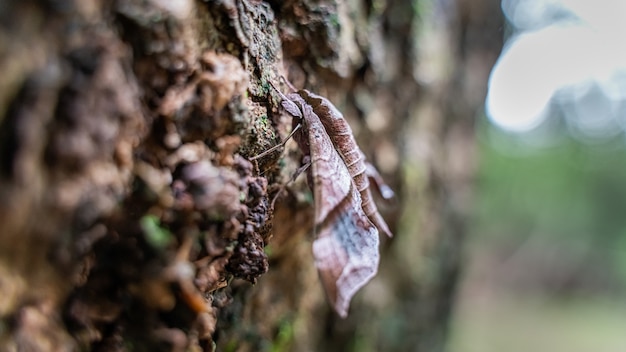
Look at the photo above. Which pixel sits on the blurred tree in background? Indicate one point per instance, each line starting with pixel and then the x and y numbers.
pixel 131 217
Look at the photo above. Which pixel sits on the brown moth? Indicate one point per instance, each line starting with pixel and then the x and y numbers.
pixel 341 134
pixel 346 219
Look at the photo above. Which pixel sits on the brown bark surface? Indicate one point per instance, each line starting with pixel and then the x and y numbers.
pixel 131 217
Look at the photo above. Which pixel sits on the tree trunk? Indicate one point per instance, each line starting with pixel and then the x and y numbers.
pixel 132 218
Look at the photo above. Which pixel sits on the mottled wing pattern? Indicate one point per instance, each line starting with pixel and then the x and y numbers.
pixel 346 248
pixel 330 184
pixel 342 137
pixel 346 252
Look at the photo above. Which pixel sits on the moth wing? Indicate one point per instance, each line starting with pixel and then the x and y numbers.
pixel 346 250
pixel 331 180
pixel 346 253
pixel 359 169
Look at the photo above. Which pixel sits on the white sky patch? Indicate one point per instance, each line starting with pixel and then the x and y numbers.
pixel 535 65
pixel 608 16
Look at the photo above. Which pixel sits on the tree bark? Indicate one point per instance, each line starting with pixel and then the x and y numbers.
pixel 132 218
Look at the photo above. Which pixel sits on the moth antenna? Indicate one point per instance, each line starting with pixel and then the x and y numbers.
pixel 282 96
pixel 289 84
pixel 279 145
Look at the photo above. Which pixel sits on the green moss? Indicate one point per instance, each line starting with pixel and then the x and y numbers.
pixel 268 250
pixel 284 337
pixel 265 87
pixel 157 236
pixel 263 122
pixel 334 21
pixel 231 346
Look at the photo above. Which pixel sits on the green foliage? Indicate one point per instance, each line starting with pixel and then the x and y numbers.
pixel 572 195
pixel 548 252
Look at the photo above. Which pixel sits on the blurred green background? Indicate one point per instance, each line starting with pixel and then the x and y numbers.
pixel 546 257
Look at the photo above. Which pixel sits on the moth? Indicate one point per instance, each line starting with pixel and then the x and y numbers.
pixel 347 221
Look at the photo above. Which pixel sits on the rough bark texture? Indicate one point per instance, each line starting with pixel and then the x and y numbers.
pixel 131 218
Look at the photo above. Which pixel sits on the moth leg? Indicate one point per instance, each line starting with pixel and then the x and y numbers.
pixel 306 164
pixel 279 145
pixel 300 170
pixel 383 189
pixel 271 150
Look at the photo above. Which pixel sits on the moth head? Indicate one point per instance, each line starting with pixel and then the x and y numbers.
pixel 292 108
pixel 287 102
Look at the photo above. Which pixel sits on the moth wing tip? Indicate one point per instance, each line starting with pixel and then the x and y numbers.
pixel 341 308
pixel 380 223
